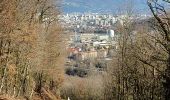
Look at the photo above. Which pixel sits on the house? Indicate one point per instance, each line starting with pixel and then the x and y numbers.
pixel 87 55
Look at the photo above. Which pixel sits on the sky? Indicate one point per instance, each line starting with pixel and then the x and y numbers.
pixel 103 6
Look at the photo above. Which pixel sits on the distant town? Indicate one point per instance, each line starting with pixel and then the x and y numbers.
pixel 95 21
pixel 92 36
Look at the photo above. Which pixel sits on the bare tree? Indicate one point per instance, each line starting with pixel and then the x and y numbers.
pixel 21 24
pixel 163 23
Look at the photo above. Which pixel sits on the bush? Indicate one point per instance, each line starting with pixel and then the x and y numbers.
pixel 76 72
pixel 101 65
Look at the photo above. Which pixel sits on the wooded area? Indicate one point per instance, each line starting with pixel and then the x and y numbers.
pixel 143 58
pixel 32 56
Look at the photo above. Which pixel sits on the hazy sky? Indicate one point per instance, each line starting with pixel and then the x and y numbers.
pixel 103 6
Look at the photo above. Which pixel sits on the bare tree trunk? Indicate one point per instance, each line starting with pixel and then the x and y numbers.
pixel 167 79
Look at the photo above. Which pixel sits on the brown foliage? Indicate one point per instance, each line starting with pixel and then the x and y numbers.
pixel 28 34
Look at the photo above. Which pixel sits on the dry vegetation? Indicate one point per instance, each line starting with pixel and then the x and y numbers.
pixel 143 57
pixel 30 49
pixel 90 88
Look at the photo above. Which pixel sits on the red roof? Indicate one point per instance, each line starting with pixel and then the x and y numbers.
pixel 73 49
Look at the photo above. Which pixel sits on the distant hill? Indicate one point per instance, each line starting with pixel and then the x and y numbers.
pixel 98 6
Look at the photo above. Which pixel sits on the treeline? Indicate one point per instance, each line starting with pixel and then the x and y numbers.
pixel 143 58
pixel 30 49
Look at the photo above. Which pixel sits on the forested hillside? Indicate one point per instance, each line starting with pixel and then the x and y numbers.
pixel 30 49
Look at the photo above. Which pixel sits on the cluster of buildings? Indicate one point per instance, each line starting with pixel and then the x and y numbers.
pixel 88 20
pixel 94 36
pixel 83 46
pixel 92 21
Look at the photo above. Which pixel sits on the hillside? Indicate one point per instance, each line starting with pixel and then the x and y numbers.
pixel 99 6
